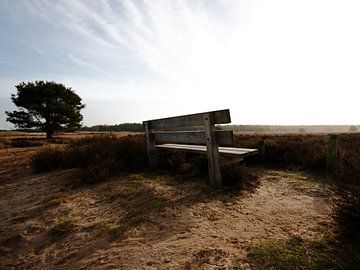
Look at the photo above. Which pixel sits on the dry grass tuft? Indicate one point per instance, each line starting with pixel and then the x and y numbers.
pixel 61 228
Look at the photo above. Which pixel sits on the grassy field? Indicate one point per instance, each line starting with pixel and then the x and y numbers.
pixel 141 219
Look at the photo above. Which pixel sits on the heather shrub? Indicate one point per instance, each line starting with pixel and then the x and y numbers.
pixel 98 157
pixel 286 150
pixel 347 166
pixel 98 168
pixel 25 142
pixel 48 160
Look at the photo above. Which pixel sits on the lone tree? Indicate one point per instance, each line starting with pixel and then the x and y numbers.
pixel 46 106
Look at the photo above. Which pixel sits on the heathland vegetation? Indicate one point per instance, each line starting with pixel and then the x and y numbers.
pixel 90 195
pixel 287 210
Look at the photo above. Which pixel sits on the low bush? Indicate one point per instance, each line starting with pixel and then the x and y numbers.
pixel 103 155
pixel 98 157
pixel 26 142
pixel 48 160
pixel 305 150
pixel 347 166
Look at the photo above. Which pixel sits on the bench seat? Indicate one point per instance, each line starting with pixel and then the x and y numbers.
pixel 224 151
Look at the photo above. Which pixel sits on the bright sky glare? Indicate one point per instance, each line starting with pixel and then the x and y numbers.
pixel 269 62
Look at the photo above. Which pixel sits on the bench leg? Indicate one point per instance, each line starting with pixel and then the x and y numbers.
pixel 212 152
pixel 214 170
pixel 152 160
pixel 150 142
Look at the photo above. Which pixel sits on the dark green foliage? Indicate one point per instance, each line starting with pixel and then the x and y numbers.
pixel 60 228
pixel 118 231
pixel 295 240
pixel 98 157
pixel 46 106
pixel 296 253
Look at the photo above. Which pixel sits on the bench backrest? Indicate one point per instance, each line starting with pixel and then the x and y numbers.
pixel 190 129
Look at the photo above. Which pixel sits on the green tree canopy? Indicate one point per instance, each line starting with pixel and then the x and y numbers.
pixel 47 106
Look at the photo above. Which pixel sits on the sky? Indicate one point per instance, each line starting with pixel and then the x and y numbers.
pixel 273 62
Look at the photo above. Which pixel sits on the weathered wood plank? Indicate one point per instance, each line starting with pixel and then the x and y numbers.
pixel 220 117
pixel 224 138
pixel 201 149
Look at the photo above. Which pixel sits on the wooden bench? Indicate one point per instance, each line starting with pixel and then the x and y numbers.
pixel 196 133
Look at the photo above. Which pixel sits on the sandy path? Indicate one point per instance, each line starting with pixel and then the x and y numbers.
pixel 171 224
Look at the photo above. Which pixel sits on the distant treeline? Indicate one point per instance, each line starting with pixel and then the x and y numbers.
pixel 294 129
pixel 131 127
pixel 137 127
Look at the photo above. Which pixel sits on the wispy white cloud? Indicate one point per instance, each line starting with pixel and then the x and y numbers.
pixel 84 63
pixel 165 36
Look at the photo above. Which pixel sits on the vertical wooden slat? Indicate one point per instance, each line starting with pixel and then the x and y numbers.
pixel 150 142
pixel 212 151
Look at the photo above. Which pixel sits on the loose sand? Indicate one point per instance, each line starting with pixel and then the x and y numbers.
pixel 149 220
